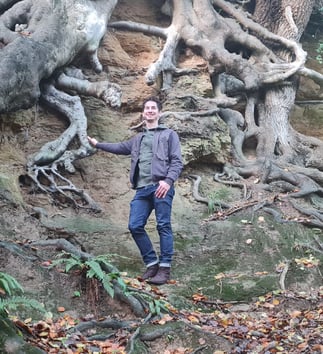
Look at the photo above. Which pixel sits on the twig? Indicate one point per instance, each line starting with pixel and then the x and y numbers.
pixel 283 276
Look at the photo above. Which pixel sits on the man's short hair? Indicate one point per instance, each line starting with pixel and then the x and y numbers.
pixel 154 99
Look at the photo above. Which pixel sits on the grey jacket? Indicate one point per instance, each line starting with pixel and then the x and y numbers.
pixel 167 159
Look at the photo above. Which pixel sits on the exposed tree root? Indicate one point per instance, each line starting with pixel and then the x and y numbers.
pixel 199 198
pixel 15 249
pixel 307 216
pixel 64 245
pixel 48 36
pixel 262 61
pixel 55 154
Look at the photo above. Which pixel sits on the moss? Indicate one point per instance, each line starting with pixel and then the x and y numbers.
pixel 183 243
pixel 241 260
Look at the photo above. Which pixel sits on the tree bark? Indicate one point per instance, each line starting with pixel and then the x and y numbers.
pixel 39 39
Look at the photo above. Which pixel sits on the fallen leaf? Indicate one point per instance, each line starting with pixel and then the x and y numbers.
pixel 193 319
pixel 46 263
pixel 295 314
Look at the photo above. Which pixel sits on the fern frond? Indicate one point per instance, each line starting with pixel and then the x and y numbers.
pixel 94 270
pixel 15 302
pixel 9 284
pixel 123 285
pixel 108 286
pixel 69 260
pixel 71 263
pixel 105 262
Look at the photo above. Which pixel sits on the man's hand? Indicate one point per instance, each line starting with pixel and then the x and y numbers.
pixel 162 189
pixel 92 141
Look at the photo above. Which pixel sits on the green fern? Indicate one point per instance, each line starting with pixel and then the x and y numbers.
pixel 69 260
pixel 93 269
pixel 156 305
pixel 9 301
pixel 14 303
pixel 9 285
pixel 108 287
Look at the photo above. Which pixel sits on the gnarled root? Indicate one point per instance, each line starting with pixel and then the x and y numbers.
pixel 54 155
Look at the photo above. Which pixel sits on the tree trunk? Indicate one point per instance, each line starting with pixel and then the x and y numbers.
pixel 38 37
pixel 288 20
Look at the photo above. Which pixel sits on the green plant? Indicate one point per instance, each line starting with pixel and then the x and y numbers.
pixel 9 301
pixel 9 285
pixel 319 50
pixel 156 306
pixel 221 194
pixel 93 269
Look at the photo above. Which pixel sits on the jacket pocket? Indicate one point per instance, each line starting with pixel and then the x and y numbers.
pixel 162 151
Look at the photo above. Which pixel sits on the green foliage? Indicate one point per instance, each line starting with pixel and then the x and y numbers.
pixel 221 194
pixel 319 50
pixel 156 306
pixel 93 269
pixel 77 293
pixel 9 286
pixel 14 303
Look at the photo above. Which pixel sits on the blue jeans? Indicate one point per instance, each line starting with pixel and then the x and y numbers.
pixel 141 207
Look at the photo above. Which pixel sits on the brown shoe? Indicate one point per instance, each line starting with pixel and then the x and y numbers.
pixel 162 276
pixel 150 272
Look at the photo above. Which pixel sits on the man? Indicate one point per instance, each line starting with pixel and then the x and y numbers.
pixel 156 163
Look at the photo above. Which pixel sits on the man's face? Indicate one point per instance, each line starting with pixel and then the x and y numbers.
pixel 151 112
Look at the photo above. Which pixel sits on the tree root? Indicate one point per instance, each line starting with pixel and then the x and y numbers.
pixel 106 323
pixel 63 194
pixel 268 70
pixel 18 250
pixel 199 198
pixel 45 164
pixel 243 186
pixel 64 245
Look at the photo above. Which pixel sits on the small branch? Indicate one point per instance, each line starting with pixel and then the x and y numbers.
pixel 233 210
pixel 139 27
pixel 283 276
pixel 312 74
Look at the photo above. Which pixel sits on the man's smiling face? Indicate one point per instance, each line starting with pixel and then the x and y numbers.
pixel 151 112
